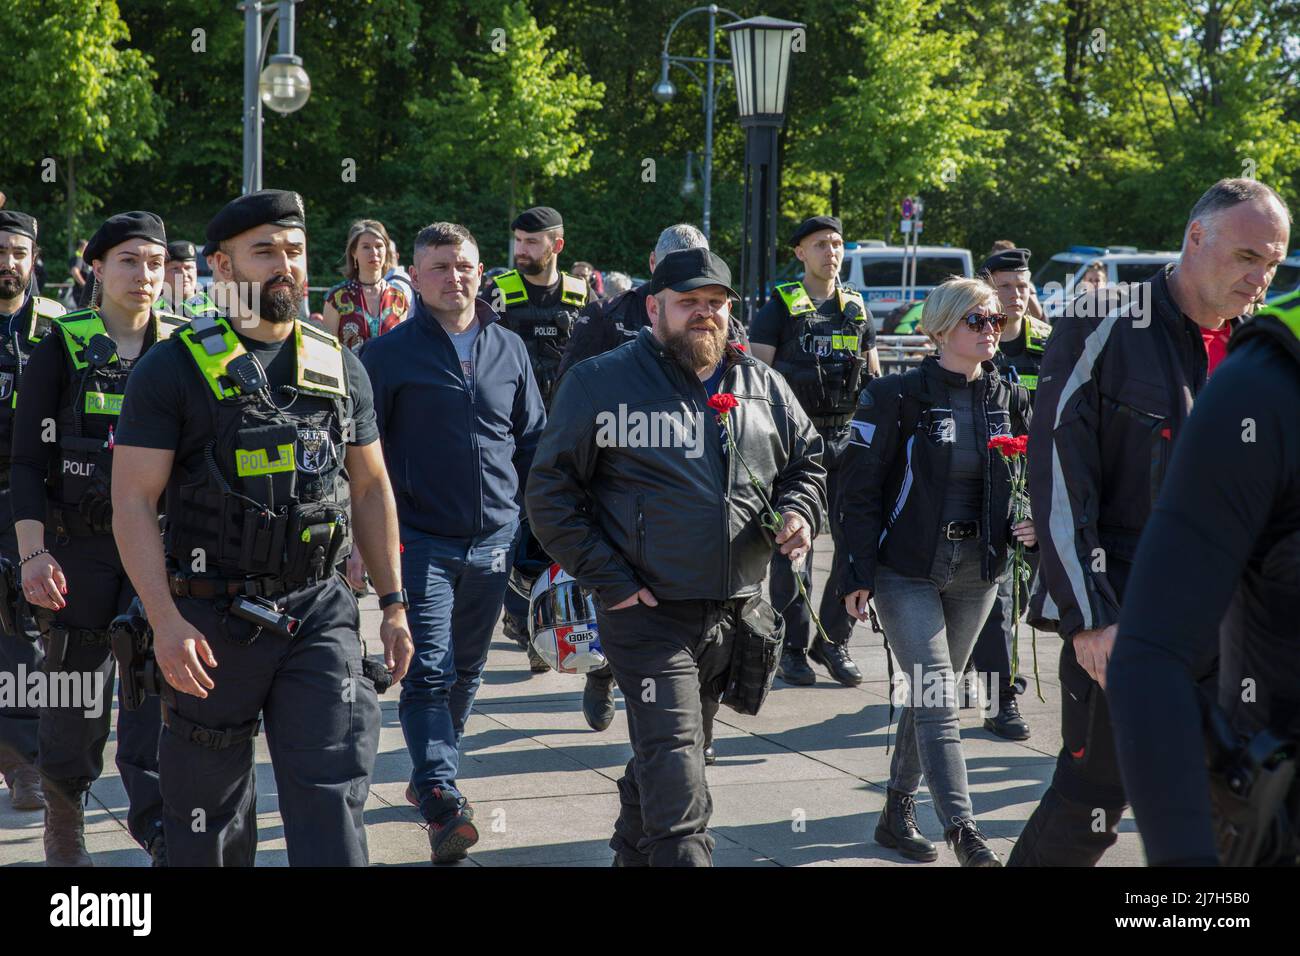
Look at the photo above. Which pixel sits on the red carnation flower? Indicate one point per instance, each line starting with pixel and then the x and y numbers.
pixel 1008 446
pixel 723 402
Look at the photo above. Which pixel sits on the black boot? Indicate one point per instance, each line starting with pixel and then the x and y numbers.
pixel 897 828
pixel 835 659
pixel 598 699
pixel 1007 722
pixel 971 846
pixel 794 668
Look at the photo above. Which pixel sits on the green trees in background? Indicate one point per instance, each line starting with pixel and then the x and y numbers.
pixel 1045 121
pixel 79 106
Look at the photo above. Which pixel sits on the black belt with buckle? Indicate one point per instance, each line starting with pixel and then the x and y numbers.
pixel 961 530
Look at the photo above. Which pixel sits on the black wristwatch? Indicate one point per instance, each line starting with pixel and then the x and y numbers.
pixel 397 597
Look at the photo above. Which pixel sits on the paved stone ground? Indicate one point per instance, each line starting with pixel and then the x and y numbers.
pixel 799 785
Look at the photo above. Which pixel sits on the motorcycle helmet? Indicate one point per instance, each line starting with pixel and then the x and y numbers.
pixel 562 623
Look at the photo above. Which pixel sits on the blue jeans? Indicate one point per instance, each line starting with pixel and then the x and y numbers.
pixel 455 586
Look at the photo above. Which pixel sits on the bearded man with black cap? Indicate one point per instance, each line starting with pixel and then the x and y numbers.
pixel 25 317
pixel 660 521
pixel 260 431
pixel 821 337
pixel 541 305
pixel 72 573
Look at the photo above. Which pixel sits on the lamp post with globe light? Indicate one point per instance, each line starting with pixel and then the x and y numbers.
pixel 664 91
pixel 760 57
pixel 283 85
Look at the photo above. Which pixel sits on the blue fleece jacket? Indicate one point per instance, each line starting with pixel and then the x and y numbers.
pixel 458 457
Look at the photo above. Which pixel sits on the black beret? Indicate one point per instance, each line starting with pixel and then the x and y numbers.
pixel 118 229
pixel 277 207
pixel 689 269
pixel 209 247
pixel 815 224
pixel 1007 259
pixel 537 219
pixel 180 249
pixel 18 222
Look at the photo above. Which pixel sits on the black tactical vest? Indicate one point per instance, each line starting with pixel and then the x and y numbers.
pixel 268 495
pixel 545 331
pixel 822 360
pixel 78 484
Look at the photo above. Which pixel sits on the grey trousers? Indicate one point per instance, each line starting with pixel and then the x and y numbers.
pixel 931 624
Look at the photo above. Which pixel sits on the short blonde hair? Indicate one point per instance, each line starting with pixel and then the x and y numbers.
pixel 952 301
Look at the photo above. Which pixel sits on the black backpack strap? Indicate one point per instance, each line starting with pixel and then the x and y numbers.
pixel 910 391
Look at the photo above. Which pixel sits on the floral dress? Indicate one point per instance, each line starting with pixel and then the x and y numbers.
pixel 356 324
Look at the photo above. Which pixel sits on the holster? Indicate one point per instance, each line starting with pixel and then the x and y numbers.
pixel 59 636
pixel 1253 792
pixel 131 640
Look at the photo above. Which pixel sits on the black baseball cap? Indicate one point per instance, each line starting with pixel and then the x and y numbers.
pixel 690 269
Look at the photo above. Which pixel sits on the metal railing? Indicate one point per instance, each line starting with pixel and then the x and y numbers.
pixel 901 352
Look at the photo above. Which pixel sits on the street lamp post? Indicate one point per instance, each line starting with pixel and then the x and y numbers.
pixel 760 56
pixel 664 91
pixel 283 85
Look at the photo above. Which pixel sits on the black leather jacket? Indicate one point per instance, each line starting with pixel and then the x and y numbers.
pixel 682 521
pixel 894 472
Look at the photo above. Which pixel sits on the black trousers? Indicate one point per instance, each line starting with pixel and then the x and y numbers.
pixel 20 654
pixel 1078 817
pixel 785 592
pixel 322 726
pixel 992 654
pixel 661 656
pixel 72 734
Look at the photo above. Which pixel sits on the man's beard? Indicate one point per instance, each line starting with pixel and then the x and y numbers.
pixel 12 286
pixel 693 352
pixel 278 305
pixel 533 267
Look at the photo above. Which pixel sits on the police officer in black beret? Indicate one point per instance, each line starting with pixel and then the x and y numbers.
pixel 541 304
pixel 259 429
pixel 182 283
pixel 72 573
pixel 1020 352
pixel 25 317
pixel 821 337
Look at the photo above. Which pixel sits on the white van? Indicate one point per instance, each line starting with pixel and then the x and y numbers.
pixel 876 270
pixel 1059 276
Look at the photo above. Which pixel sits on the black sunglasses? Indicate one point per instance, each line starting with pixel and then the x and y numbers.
pixel 976 321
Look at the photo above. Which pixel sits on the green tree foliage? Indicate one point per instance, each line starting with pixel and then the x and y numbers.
pixel 1049 122
pixel 76 93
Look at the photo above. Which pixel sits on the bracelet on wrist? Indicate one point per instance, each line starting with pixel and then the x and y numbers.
pixel 35 554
